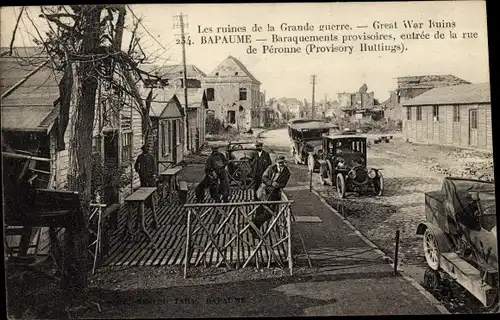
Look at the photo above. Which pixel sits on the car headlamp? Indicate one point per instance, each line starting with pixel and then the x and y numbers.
pixel 340 164
pixel 372 174
pixel 352 174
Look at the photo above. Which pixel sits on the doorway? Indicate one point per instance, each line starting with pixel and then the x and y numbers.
pixel 473 128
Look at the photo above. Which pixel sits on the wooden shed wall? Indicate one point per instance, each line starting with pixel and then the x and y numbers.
pixel 446 131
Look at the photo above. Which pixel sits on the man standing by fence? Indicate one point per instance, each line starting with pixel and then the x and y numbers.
pixel 274 179
pixel 260 160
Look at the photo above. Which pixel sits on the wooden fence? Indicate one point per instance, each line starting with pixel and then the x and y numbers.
pixel 241 246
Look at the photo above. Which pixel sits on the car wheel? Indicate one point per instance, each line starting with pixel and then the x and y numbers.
pixel 379 184
pixel 431 250
pixel 340 185
pixel 432 279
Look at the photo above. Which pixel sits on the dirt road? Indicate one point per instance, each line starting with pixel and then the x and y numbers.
pixel 401 207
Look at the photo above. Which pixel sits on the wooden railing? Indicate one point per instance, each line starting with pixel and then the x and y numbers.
pixel 236 223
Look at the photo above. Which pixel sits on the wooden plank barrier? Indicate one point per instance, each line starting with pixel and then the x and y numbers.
pixel 234 229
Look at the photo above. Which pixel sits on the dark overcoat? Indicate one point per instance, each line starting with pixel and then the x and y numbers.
pixel 260 163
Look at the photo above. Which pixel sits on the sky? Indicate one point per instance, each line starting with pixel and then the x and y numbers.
pixel 289 75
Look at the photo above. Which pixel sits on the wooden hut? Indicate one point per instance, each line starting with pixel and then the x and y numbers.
pixel 168 128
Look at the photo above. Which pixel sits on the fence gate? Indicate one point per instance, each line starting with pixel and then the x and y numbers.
pixel 223 233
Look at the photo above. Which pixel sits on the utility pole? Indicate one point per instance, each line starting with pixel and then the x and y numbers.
pixel 184 81
pixel 313 82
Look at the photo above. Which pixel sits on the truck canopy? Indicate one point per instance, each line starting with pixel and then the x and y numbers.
pixel 460 195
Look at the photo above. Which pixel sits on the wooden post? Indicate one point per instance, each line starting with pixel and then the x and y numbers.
pixel 289 226
pixel 396 253
pixel 310 180
pixel 188 235
pixel 237 238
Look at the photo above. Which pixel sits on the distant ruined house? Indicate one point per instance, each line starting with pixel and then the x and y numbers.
pixel 360 105
pixel 233 95
pixel 412 86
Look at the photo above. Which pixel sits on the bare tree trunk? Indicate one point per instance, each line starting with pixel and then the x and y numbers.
pixel 80 171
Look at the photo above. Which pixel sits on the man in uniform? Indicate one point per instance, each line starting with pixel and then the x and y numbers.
pixel 260 160
pixel 274 179
pixel 215 177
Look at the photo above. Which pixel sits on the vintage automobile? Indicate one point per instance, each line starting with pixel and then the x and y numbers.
pixel 306 136
pixel 342 160
pixel 240 168
pixel 460 237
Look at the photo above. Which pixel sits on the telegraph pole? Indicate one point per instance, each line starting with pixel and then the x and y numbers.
pixel 184 81
pixel 313 82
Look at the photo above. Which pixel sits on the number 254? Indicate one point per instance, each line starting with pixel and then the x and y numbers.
pixel 184 40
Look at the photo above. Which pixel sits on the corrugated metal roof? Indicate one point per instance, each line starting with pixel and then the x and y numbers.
pixel 460 94
pixel 28 118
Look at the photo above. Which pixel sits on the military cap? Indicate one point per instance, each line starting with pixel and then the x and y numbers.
pixel 215 147
pixel 280 159
pixel 258 144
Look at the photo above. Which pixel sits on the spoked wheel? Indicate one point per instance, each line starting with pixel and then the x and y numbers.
pixel 379 184
pixel 340 186
pixel 431 250
pixel 432 279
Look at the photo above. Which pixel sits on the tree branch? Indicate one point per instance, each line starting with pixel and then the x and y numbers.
pixel 15 29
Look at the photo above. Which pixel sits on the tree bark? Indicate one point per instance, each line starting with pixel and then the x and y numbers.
pixel 80 171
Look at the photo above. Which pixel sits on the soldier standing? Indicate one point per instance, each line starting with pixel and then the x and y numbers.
pixel 260 160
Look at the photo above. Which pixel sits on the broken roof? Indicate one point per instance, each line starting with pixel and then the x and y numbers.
pixel 29 89
pixel 229 67
pixel 459 94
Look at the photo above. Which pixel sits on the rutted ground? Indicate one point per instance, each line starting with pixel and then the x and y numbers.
pixel 409 171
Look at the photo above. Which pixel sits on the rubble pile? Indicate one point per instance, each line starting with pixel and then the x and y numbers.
pixel 436 167
pixel 480 170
